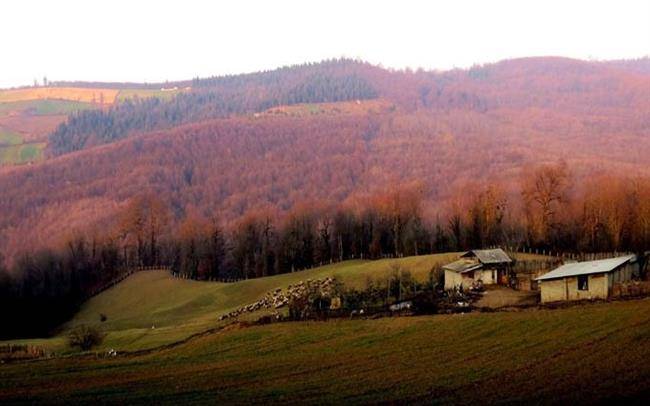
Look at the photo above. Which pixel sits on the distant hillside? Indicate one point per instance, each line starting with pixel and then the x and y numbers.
pixel 29 115
pixel 641 65
pixel 440 130
pixel 218 97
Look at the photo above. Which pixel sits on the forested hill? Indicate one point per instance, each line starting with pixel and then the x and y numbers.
pixel 218 97
pixel 447 133
pixel 562 85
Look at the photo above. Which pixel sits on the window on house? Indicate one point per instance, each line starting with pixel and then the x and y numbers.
pixel 583 282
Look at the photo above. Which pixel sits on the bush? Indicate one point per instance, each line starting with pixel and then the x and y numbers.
pixel 85 337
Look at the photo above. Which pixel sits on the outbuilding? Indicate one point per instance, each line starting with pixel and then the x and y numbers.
pixel 587 280
pixel 485 266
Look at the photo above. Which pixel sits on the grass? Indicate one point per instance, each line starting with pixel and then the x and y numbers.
pixel 89 95
pixel 126 94
pixel 44 107
pixel 574 355
pixel 178 308
pixel 343 107
pixel 8 137
pixel 22 153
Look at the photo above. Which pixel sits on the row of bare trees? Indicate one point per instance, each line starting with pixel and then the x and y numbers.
pixel 547 209
pixel 550 209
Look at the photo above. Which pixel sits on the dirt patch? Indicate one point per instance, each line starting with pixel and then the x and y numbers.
pixel 496 297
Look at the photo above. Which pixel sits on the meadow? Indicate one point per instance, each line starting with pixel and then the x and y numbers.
pixel 22 153
pixel 8 137
pixel 152 308
pixel 127 94
pixel 37 111
pixel 43 107
pixel 80 94
pixel 373 106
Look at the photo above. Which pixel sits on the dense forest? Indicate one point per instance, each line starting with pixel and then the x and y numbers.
pixel 235 165
pixel 213 98
pixel 49 284
pixel 548 86
pixel 251 175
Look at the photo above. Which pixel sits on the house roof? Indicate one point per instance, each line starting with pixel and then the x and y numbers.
pixel 587 268
pixel 493 256
pixel 463 265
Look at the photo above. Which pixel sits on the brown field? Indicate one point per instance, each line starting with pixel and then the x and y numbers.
pixel 586 354
pixel 88 95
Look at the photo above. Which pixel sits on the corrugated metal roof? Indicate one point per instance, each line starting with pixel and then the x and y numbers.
pixel 587 268
pixel 463 265
pixel 494 256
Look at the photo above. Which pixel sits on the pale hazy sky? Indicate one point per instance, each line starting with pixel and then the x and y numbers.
pixel 166 40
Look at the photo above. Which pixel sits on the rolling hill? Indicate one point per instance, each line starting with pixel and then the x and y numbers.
pixel 506 357
pixel 267 148
pixel 32 114
pixel 179 308
pixel 171 348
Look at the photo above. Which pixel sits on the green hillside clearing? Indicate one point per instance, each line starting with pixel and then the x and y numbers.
pixel 44 107
pixel 152 308
pixel 178 308
pixel 126 94
pixel 22 153
pixel 8 137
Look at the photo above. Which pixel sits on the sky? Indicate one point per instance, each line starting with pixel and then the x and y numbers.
pixel 153 41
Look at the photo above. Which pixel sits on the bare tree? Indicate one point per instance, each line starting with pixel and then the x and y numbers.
pixel 545 191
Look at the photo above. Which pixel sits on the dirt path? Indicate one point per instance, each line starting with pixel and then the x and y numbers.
pixel 499 296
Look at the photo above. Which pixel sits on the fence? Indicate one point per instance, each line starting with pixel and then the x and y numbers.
pixel 631 289
pixel 13 352
pixel 179 275
pixel 526 267
pixel 574 256
pixel 124 275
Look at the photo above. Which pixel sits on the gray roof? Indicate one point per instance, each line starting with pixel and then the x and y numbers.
pixel 587 268
pixel 494 256
pixel 463 265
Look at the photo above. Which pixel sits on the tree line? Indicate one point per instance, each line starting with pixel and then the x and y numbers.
pixel 45 287
pixel 330 81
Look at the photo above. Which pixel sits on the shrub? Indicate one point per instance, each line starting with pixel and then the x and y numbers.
pixel 85 337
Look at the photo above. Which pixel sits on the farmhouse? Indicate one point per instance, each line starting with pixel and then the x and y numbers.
pixel 487 266
pixel 587 280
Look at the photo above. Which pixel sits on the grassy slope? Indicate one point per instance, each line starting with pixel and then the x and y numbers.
pixel 12 149
pixel 571 355
pixel 59 93
pixel 18 154
pixel 178 308
pixel 8 137
pixel 44 107
pixel 126 94
pixel 40 102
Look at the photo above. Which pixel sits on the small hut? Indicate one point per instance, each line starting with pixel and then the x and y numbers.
pixel 485 266
pixel 587 280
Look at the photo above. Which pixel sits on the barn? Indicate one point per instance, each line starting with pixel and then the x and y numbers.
pixel 487 266
pixel 587 280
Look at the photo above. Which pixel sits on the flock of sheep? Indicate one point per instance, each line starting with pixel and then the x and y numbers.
pixel 278 298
